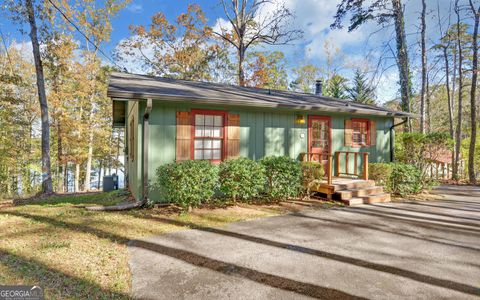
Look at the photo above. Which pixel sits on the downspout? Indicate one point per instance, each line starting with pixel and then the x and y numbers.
pixel 145 145
pixel 392 145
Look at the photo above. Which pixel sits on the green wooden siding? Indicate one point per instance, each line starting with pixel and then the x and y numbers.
pixel 262 133
pixel 134 167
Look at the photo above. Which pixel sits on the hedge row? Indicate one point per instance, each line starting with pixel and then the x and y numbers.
pixel 397 178
pixel 191 183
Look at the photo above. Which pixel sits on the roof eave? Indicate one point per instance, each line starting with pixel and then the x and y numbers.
pixel 118 95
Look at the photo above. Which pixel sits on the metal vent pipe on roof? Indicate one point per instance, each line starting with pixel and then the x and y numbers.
pixel 319 87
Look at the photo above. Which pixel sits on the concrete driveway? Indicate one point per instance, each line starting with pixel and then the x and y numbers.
pixel 421 250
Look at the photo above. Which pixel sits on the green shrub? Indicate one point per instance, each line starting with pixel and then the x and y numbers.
pixel 189 183
pixel 421 150
pixel 284 176
pixel 381 173
pixel 405 179
pixel 241 178
pixel 311 171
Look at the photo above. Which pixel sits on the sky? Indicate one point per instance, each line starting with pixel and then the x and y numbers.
pixel 312 16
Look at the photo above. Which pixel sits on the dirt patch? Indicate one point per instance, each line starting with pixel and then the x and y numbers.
pixel 6 203
pixel 423 196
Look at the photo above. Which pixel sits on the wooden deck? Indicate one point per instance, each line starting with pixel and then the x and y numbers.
pixel 352 191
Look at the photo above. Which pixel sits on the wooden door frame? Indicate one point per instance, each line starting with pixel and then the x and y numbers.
pixel 319 117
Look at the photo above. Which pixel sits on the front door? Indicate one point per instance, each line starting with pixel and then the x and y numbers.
pixel 319 138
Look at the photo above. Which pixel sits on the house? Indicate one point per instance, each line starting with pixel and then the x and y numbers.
pixel 169 120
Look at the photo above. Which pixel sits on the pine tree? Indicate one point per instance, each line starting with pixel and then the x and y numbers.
pixel 361 91
pixel 336 87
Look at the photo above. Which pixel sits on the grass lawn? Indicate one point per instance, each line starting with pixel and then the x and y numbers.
pixel 74 253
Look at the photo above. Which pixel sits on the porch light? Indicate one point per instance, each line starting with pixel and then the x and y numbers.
pixel 300 119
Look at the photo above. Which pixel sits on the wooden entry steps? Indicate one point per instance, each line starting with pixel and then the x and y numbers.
pixel 354 191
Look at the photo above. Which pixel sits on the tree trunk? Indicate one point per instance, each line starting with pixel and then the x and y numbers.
pixel 47 186
pixel 402 58
pixel 59 158
pixel 458 133
pixel 241 59
pixel 449 96
pixel 473 89
pixel 89 160
pixel 65 177
pixel 428 121
pixel 99 174
pixel 77 178
pixel 424 68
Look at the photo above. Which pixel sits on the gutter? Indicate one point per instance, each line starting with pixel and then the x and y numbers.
pixel 392 145
pixel 129 96
pixel 145 145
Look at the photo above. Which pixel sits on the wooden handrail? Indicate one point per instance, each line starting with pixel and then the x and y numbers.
pixel 309 156
pixel 338 169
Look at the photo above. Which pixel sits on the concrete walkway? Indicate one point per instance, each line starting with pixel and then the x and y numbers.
pixel 421 250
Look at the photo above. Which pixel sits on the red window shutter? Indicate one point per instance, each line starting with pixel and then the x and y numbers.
pixel 373 133
pixel 348 133
pixel 184 136
pixel 233 136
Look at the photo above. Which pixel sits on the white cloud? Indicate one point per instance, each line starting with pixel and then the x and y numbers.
pixel 222 24
pixel 135 8
pixel 388 88
pixel 131 58
pixel 25 48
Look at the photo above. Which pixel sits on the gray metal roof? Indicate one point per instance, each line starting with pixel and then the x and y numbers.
pixel 134 86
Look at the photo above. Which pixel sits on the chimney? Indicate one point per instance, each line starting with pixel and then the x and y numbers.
pixel 318 87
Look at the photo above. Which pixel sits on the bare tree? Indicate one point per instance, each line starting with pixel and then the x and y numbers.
pixel 256 22
pixel 382 11
pixel 47 186
pixel 473 89
pixel 444 46
pixel 458 133
pixel 424 67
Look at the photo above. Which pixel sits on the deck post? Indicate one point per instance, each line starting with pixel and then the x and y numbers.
pixel 337 164
pixel 355 170
pixel 365 165
pixel 346 162
pixel 329 167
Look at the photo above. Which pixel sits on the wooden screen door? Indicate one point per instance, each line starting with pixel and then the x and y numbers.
pixel 319 138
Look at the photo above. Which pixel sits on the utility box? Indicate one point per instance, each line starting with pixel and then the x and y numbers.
pixel 115 181
pixel 108 184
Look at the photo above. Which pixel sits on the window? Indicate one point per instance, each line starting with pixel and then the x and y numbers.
pixel 360 131
pixel 209 135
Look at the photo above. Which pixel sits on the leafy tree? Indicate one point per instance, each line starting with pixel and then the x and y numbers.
pixel 27 12
pixel 267 70
pixel 305 77
pixel 361 91
pixel 20 155
pixel 336 87
pixel 94 21
pixel 180 50
pixel 473 110
pixel 255 22
pixel 384 12
pixel 60 69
